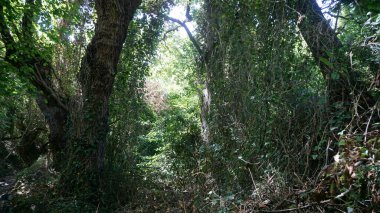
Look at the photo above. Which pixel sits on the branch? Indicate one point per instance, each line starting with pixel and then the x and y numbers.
pixel 49 90
pixel 171 30
pixel 41 82
pixel 191 37
pixel 289 210
pixel 337 16
pixel 10 138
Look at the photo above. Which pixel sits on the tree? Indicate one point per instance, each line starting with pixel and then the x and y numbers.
pixel 97 74
pixel 328 52
pixel 87 135
pixel 31 61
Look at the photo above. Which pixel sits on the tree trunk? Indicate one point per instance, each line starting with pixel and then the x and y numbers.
pixel 326 49
pixel 212 70
pixel 96 77
pixel 343 82
pixel 56 118
pixel 344 85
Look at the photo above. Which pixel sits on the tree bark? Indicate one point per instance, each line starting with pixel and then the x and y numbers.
pixel 211 68
pixel 96 77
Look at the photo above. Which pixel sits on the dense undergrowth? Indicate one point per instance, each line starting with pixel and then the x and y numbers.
pixel 241 117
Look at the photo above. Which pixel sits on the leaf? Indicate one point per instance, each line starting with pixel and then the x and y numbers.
pixel 326 62
pixel 358 138
pixel 329 54
pixel 342 142
pixel 334 75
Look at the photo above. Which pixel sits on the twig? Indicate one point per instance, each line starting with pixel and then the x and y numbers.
pixel 171 30
pixel 258 193
pixel 366 128
pixel 309 205
pixel 289 210
pixel 327 152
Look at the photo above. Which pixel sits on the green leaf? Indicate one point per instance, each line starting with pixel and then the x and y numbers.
pixel 326 62
pixel 334 75
pixel 358 138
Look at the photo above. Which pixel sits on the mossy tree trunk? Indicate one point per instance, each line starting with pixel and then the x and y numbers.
pixel 96 77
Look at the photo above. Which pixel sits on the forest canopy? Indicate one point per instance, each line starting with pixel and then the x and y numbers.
pixel 189 105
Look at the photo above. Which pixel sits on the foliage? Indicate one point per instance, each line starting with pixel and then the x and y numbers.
pixel 256 74
pixel 242 123
pixel 353 177
pixel 130 116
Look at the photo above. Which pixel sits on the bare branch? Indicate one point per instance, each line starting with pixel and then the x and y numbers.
pixel 191 37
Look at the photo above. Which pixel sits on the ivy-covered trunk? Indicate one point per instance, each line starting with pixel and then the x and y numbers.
pixel 346 90
pixel 96 77
pixel 213 72
pixel 327 50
